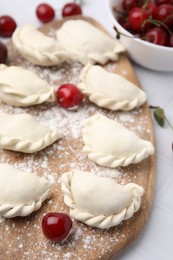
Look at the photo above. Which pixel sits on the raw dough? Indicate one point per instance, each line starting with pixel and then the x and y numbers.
pixel 38 48
pixel 108 143
pixel 86 43
pixel 110 90
pixel 21 193
pixel 99 201
pixel 21 87
pixel 22 133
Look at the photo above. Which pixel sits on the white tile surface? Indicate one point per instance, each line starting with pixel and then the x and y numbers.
pixel 156 241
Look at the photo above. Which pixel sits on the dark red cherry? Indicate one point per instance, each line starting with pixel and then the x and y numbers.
pixel 45 13
pixel 157 35
pixel 136 18
pixel 164 13
pixel 71 9
pixel 56 226
pixel 68 95
pixel 7 26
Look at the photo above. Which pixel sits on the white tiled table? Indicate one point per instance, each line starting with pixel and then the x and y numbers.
pixel 156 241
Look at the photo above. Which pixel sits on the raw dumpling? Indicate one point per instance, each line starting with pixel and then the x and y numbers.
pixel 87 43
pixel 110 90
pixel 108 143
pixel 99 201
pixel 38 48
pixel 21 193
pixel 21 87
pixel 22 133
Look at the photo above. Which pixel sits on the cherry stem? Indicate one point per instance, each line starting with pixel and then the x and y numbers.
pixel 120 33
pixel 156 23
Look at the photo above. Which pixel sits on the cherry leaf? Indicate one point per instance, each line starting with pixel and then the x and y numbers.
pixel 159 115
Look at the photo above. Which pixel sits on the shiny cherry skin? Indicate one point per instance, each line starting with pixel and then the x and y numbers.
pixel 127 5
pixel 157 36
pixel 160 2
pixel 7 26
pixel 3 52
pixel 68 95
pixel 164 13
pixel 71 9
pixel 136 18
pixel 45 13
pixel 56 226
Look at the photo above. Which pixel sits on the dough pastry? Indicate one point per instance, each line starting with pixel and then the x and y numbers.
pixel 108 143
pixel 38 48
pixel 21 193
pixel 99 201
pixel 87 43
pixel 110 90
pixel 21 87
pixel 22 133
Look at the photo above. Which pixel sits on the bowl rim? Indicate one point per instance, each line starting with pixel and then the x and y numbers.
pixel 125 32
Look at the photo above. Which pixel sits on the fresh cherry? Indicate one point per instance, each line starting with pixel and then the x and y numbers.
pixel 7 26
pixel 164 13
pixel 68 95
pixel 127 5
pixel 71 9
pixel 3 52
pixel 160 2
pixel 45 13
pixel 157 35
pixel 56 226
pixel 136 18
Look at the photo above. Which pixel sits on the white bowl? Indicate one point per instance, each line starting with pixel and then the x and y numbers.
pixel 146 54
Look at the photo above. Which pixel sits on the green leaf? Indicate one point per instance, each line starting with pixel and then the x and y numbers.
pixel 159 115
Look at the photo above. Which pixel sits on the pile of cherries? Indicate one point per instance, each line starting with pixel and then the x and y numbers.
pixel 150 20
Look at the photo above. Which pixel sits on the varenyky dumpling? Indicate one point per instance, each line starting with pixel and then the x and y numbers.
pixel 21 87
pixel 21 193
pixel 86 43
pixel 38 48
pixel 22 133
pixel 99 201
pixel 108 143
pixel 110 90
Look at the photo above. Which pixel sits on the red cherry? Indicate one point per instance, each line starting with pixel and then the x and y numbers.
pixel 157 35
pixel 164 13
pixel 7 26
pixel 56 226
pixel 71 9
pixel 136 18
pixel 127 5
pixel 45 13
pixel 160 2
pixel 68 95
pixel 3 53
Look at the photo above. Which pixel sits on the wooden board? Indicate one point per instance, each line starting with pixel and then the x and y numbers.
pixel 22 238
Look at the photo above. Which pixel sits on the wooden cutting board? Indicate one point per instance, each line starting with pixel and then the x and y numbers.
pixel 21 237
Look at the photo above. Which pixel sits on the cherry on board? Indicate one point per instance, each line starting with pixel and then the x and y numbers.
pixel 45 13
pixel 71 9
pixel 68 95
pixel 7 26
pixel 56 226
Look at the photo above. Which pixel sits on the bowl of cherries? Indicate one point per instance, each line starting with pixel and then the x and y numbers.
pixel 145 28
